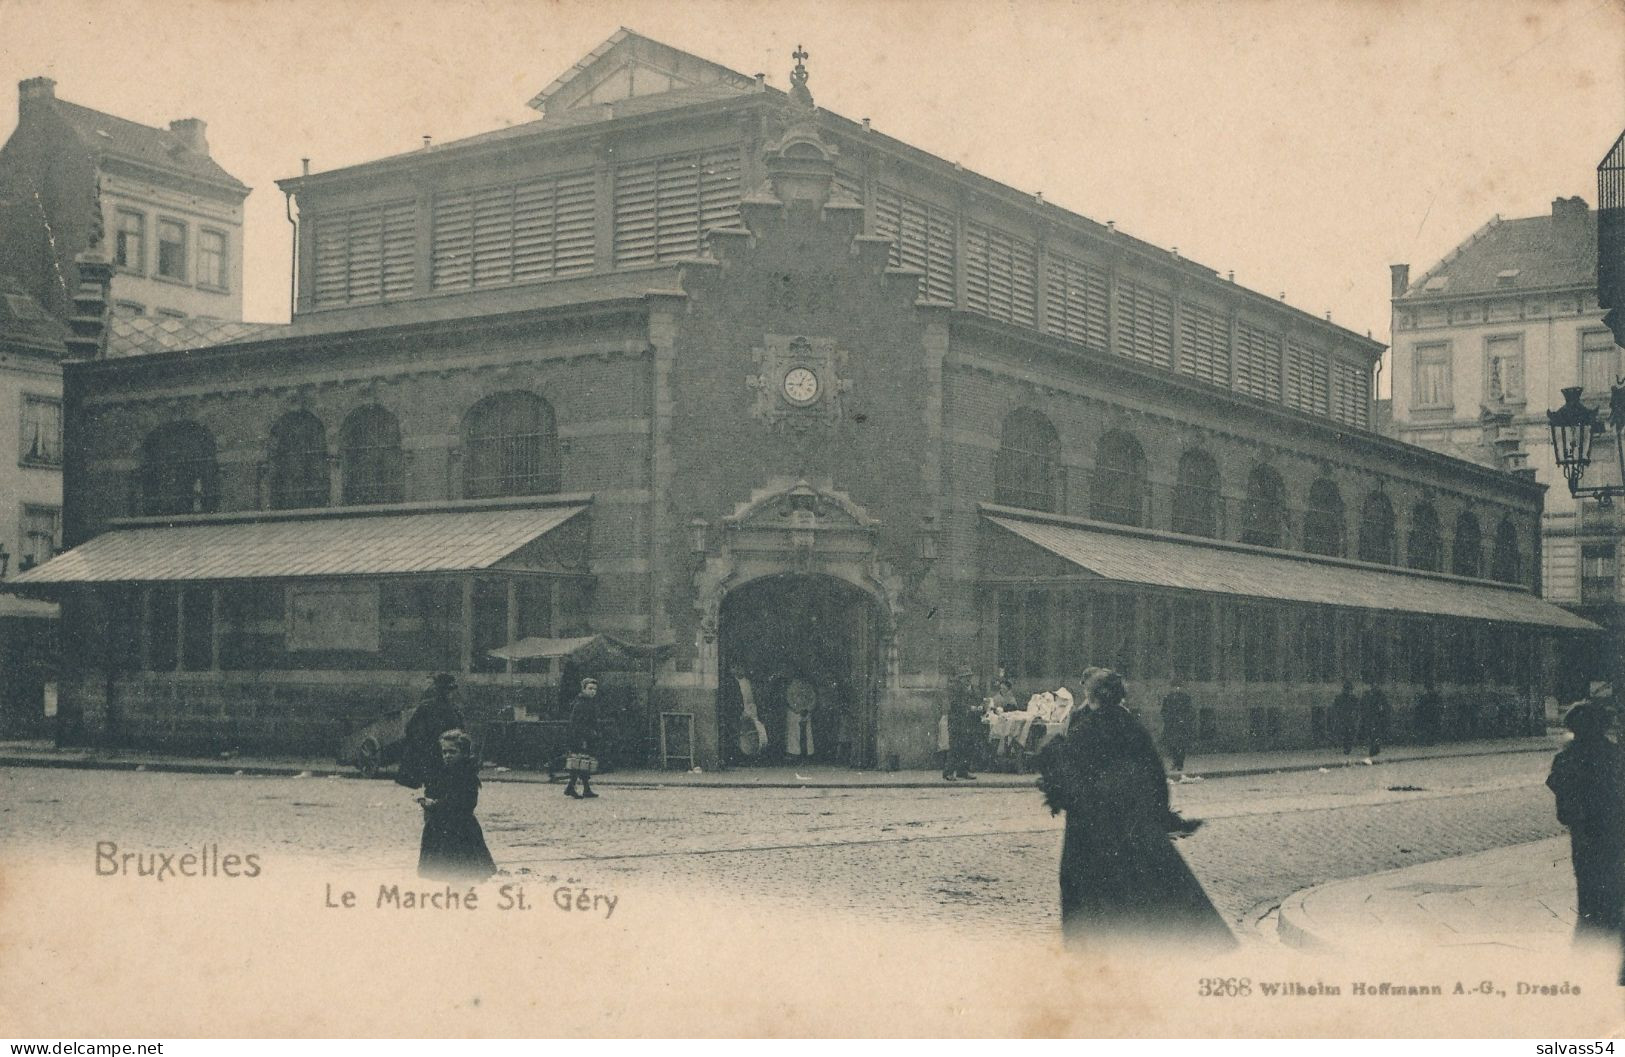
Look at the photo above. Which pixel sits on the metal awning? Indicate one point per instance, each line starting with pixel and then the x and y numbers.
pixel 602 650
pixel 324 546
pixel 1216 568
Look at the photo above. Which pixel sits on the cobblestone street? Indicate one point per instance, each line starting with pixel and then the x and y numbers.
pixel 976 858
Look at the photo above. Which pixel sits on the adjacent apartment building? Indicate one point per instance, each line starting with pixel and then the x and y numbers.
pixel 1484 342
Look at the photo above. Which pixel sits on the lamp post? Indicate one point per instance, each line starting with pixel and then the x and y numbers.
pixel 1574 426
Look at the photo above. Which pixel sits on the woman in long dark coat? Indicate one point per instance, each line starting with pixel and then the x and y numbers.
pixel 1588 777
pixel 1120 874
pixel 453 847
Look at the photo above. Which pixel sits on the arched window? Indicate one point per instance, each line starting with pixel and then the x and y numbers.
pixel 1467 549
pixel 298 462
pixel 1196 497
pixel 510 447
pixel 370 455
pixel 1265 514
pixel 1119 481
pixel 1506 565
pixel 1377 529
pixel 1323 520
pixel 178 472
pixel 1028 471
pixel 1424 547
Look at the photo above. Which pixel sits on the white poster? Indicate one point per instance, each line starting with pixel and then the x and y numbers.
pixel 333 617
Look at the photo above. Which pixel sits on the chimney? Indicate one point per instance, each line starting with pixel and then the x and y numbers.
pixel 1571 218
pixel 1399 279
pixel 34 91
pixel 190 131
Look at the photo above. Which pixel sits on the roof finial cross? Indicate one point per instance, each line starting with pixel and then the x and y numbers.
pixel 798 78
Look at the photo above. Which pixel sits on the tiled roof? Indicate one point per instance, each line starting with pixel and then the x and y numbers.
pixel 1161 562
pixel 157 147
pixel 308 546
pixel 1539 252
pixel 139 335
pixel 24 322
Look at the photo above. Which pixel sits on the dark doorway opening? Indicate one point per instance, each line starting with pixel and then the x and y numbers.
pixel 801 653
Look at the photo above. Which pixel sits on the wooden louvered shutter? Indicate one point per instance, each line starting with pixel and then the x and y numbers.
pixel 1258 363
pixel 534 242
pixel 939 255
pixel 719 189
pixel 677 208
pixel 999 275
pixel 1075 304
pixel 1204 346
pixel 366 246
pixel 493 236
pixel 330 284
pixel 1308 385
pixel 452 245
pixel 1351 395
pixel 575 224
pixel 1147 318
pixel 635 213
pixel 400 249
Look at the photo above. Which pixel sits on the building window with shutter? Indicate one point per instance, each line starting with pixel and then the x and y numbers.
pixel 1503 357
pixel 130 244
pixel 1599 362
pixel 922 237
pixel 366 254
pixel 1352 404
pixel 1075 302
pixel 39 535
pixel 1598 573
pixel 1430 385
pixel 1308 380
pixel 41 441
pixel 664 206
pixel 1000 275
pixel 211 260
pixel 1258 363
pixel 514 233
pixel 172 250
pixel 1145 326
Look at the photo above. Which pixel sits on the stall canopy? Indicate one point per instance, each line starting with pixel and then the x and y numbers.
pixel 1155 560
pixel 322 546
pixel 592 651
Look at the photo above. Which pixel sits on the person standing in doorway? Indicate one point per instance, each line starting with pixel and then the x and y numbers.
pixel 583 735
pixel 1588 777
pixel 1374 715
pixel 1346 714
pixel 420 748
pixel 1178 726
pixel 964 707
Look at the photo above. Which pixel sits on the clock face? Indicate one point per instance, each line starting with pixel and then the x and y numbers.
pixel 800 385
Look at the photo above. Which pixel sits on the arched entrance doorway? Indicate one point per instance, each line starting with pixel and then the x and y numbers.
pixel 804 651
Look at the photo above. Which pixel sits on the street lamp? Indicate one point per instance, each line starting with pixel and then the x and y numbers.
pixel 1574 426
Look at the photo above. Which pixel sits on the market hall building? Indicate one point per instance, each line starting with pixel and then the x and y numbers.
pixel 689 361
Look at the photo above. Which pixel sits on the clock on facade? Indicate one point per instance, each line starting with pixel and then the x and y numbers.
pixel 800 386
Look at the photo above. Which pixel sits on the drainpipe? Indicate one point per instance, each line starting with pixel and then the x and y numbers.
pixel 293 268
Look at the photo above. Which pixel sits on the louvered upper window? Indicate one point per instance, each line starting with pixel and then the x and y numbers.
pixel 922 237
pixel 365 254
pixel 1145 324
pixel 1075 305
pixel 664 205
pixel 1351 398
pixel 1000 275
pixel 514 233
pixel 1308 380
pixel 1258 363
pixel 1204 344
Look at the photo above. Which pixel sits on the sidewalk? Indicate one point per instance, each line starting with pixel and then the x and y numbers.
pixel 1213 765
pixel 1519 897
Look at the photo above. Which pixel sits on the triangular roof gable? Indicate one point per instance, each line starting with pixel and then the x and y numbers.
pixel 628 65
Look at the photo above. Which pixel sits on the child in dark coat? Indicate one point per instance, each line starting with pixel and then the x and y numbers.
pixel 453 846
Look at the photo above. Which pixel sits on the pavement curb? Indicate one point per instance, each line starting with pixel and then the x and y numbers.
pixel 682 779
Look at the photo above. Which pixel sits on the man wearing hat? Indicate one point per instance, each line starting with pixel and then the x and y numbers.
pixel 963 708
pixel 420 749
pixel 1588 777
pixel 583 735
